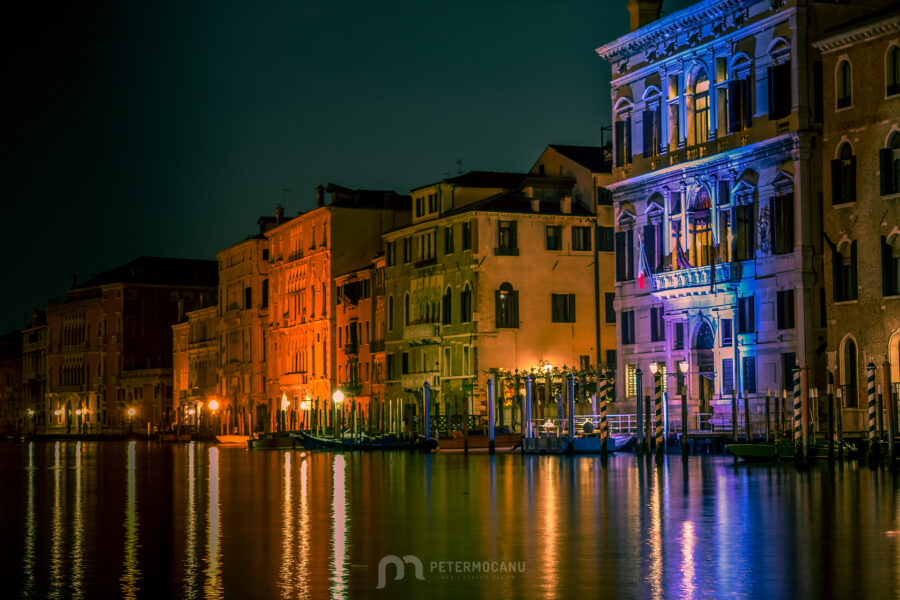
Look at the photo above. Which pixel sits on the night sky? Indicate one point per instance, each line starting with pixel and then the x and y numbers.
pixel 167 128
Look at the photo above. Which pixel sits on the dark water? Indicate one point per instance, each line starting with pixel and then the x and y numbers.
pixel 137 520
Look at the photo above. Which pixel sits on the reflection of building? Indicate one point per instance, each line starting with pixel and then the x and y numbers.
pixel 495 272
pixel 243 315
pixel 861 183
pixel 306 254
pixel 718 216
pixel 110 343
pixel 13 410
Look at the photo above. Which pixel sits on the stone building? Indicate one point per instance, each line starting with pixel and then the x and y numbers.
pixel 306 253
pixel 243 315
pixel 109 342
pixel 861 184
pixel 34 367
pixel 718 169
pixel 495 272
pixel 195 367
pixel 14 416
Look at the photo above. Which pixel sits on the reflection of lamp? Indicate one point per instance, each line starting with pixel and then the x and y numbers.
pixel 338 397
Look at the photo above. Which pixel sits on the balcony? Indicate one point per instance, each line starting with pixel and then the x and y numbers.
pixel 697 277
pixel 415 381
pixel 422 332
pixel 351 348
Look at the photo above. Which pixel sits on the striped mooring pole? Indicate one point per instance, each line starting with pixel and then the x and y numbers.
pixel 601 398
pixel 526 428
pixel 798 448
pixel 490 386
pixel 571 387
pixel 872 454
pixel 657 407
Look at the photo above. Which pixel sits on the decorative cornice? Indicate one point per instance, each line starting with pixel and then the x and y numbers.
pixel 662 34
pixel 856 35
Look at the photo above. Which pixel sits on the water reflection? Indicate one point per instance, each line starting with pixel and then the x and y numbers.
pixel 214 589
pixel 340 527
pixel 654 539
pixel 78 530
pixel 190 590
pixel 57 550
pixel 303 575
pixel 688 539
pixel 131 574
pixel 28 589
pixel 287 532
pixel 547 526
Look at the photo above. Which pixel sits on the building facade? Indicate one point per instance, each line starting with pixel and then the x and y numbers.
pixel 861 184
pixel 34 368
pixel 495 274
pixel 717 197
pixel 14 416
pixel 306 253
pixel 109 343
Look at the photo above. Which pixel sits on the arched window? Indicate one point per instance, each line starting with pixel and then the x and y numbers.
pixel 843 176
pixel 390 313
pixel 843 262
pixel 700 229
pixel 446 307
pixel 844 82
pixel 740 110
pixel 849 373
pixel 889 159
pixel 265 293
pixel 892 69
pixel 507 306
pixel 779 79
pixel 652 123
pixel 465 304
pixel 701 107
pixel 406 310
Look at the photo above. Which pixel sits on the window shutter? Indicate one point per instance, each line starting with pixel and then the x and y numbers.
pixel 836 182
pixel 498 312
pixel 628 139
pixel 776 222
pixel 514 238
pixel 514 308
pixel 853 267
pixel 770 80
pixel 650 246
pixel 780 310
pixel 887 285
pixel 836 260
pixel 629 254
pixel 620 143
pixel 746 104
pixel 851 177
pixel 734 105
pixel 620 256
pixel 886 163
pixel 648 132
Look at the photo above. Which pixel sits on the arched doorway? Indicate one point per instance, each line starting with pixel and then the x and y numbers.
pixel 704 342
pixel 849 373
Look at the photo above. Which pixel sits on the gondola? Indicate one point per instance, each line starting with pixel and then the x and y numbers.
pixel 382 443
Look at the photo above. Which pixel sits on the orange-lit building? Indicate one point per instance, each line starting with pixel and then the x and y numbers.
pixel 195 365
pixel 306 254
pixel 109 342
pixel 242 319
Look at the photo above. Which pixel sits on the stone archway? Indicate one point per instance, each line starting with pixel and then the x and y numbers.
pixel 704 359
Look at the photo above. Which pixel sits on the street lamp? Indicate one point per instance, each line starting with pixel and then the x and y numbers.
pixel 130 417
pixel 338 397
pixel 214 406
pixel 683 367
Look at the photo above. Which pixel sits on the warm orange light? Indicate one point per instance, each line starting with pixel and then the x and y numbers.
pixel 131 412
pixel 213 405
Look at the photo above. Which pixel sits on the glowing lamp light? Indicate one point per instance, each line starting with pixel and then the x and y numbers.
pixel 78 412
pixel 303 405
pixel 549 424
pixel 338 397
pixel 30 412
pixel 191 412
pixel 213 405
pixel 57 412
pixel 131 412
pixel 548 367
pixel 654 367
pixel 285 402
pixel 683 367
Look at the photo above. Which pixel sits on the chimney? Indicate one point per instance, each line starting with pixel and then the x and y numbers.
pixel 643 12
pixel 320 196
pixel 566 205
pixel 279 214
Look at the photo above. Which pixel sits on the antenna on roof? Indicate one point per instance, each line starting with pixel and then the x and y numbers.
pixel 459 166
pixel 602 129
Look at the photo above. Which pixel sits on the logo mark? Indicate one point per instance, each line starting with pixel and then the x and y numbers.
pixel 391 559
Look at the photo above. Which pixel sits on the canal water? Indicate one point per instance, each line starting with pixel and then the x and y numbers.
pixel 140 520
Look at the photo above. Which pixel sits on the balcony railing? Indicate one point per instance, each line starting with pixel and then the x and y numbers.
pixel 351 348
pixel 697 276
pixel 423 330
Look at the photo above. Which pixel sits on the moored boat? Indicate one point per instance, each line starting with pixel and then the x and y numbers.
pixel 282 440
pixel 768 451
pixel 233 439
pixel 578 445
pixel 503 440
pixel 383 443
